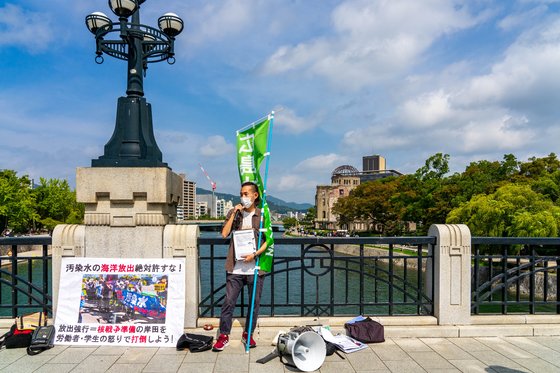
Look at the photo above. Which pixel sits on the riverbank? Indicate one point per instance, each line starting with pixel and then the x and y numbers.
pixel 400 254
pixel 27 251
pixel 542 280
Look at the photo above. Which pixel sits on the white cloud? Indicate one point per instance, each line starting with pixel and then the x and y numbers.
pixel 294 183
pixel 298 183
pixel 372 41
pixel 525 78
pixel 376 138
pixel 495 135
pixel 401 78
pixel 516 20
pixel 51 147
pixel 288 121
pixel 217 20
pixel 216 146
pixel 512 108
pixel 427 110
pixel 176 145
pixel 321 162
pixel 288 58
pixel 32 31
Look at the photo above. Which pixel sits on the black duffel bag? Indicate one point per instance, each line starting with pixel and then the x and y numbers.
pixel 195 342
pixel 16 338
pixel 366 331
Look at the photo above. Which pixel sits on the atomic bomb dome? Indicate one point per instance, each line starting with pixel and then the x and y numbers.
pixel 345 170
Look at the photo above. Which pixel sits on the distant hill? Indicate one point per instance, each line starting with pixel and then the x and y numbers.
pixel 292 205
pixel 275 204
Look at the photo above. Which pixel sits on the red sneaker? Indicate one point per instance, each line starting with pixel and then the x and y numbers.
pixel 252 342
pixel 221 343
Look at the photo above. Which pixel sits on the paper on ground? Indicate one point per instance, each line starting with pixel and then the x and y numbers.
pixel 342 342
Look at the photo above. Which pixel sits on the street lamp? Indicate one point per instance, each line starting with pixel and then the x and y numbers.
pixel 133 143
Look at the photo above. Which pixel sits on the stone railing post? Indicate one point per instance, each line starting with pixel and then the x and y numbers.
pixel 68 241
pixel 181 241
pixel 451 273
pixel 126 212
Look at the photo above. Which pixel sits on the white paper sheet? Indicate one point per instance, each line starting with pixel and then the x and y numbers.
pixel 244 243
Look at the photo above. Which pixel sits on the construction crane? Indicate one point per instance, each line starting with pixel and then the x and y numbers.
pixel 213 184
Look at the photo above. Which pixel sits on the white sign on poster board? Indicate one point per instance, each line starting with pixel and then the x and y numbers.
pixel 120 302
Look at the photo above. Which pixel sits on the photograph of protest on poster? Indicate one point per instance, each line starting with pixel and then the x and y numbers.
pixel 120 302
pixel 128 298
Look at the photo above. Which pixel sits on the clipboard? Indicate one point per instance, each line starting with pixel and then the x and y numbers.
pixel 244 243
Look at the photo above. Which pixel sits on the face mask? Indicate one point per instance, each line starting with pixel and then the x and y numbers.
pixel 246 202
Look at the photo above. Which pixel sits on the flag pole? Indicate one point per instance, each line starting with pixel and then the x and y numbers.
pixel 255 122
pixel 263 202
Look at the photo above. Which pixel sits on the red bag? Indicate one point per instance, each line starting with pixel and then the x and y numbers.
pixel 19 335
pixel 16 338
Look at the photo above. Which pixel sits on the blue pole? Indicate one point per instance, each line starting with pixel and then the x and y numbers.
pixel 263 202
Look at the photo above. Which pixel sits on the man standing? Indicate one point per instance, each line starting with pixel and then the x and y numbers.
pixel 240 271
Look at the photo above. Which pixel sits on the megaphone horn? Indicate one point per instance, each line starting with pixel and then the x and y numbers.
pixel 306 351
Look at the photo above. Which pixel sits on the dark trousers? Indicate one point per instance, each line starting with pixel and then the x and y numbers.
pixel 234 284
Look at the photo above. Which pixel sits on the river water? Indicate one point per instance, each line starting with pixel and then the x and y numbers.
pixel 23 270
pixel 290 297
pixel 323 292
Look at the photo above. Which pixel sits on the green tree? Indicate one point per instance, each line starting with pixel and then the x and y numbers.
pixel 509 167
pixel 437 195
pixel 56 203
pixel 16 202
pixel 49 223
pixel 289 222
pixel 376 202
pixel 428 198
pixel 480 177
pixel 537 167
pixel 309 220
pixel 347 208
pixel 548 185
pixel 512 211
pixel 495 198
pixel 435 167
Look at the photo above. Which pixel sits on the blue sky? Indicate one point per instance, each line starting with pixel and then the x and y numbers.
pixel 402 78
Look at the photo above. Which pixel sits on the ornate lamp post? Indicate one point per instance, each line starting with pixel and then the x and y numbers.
pixel 133 143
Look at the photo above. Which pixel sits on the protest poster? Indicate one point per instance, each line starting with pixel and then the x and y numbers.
pixel 120 302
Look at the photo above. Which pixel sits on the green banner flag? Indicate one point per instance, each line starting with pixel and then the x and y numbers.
pixel 252 148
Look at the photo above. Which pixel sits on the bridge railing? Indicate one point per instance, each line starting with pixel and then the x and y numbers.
pixel 515 275
pixel 341 276
pixel 328 277
pixel 25 276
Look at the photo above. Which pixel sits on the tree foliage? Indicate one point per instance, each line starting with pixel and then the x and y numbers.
pixel 309 219
pixel 512 211
pixel 23 208
pixel 17 202
pixel 494 198
pixel 377 203
pixel 289 222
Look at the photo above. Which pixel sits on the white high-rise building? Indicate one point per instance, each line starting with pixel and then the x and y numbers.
pixel 229 206
pixel 222 207
pixel 210 203
pixel 187 208
pixel 201 209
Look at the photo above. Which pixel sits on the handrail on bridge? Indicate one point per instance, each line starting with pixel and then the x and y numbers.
pixel 509 274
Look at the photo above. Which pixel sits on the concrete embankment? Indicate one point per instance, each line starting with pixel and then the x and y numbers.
pixel 399 259
pixel 23 251
pixel 524 283
pixel 483 276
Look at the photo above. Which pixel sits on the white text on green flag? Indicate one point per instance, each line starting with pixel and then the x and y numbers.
pixel 252 145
